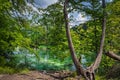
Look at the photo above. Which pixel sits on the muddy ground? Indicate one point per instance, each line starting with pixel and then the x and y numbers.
pixel 39 75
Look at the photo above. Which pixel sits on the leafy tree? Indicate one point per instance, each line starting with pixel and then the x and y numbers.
pixel 11 35
pixel 89 72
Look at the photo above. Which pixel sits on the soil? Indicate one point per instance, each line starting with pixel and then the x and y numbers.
pixel 39 75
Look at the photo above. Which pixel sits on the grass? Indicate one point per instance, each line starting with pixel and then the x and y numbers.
pixel 24 71
pixel 6 70
pixel 9 70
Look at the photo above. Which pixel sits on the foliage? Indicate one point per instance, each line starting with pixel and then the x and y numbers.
pixel 9 70
pixel 105 65
pixel 114 72
pixel 113 27
pixel 24 71
pixel 23 33
pixel 6 70
pixel 11 35
pixel 99 77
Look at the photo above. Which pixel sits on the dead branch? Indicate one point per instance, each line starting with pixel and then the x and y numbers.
pixel 112 55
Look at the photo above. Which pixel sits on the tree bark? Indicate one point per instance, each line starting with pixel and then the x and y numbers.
pixel 95 65
pixel 79 68
pixel 91 70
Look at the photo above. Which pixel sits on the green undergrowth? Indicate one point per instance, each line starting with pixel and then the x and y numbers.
pixel 24 71
pixel 9 70
pixel 97 77
pixel 6 70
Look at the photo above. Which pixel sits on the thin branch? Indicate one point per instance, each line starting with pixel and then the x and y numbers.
pixel 71 47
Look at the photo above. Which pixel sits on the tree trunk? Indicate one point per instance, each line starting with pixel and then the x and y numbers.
pixel 95 65
pixel 70 44
pixel 89 72
pixel 98 59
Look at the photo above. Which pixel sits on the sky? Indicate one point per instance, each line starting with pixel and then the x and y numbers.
pixel 44 3
pixel 78 18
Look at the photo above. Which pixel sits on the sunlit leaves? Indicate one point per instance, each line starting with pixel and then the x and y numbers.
pixel 113 27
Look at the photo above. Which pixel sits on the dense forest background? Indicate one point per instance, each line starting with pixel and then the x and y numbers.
pixel 33 37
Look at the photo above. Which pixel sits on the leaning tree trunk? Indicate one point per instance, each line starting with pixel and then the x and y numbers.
pixel 72 51
pixel 89 72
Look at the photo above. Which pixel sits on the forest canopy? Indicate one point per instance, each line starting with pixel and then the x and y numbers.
pixel 75 35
